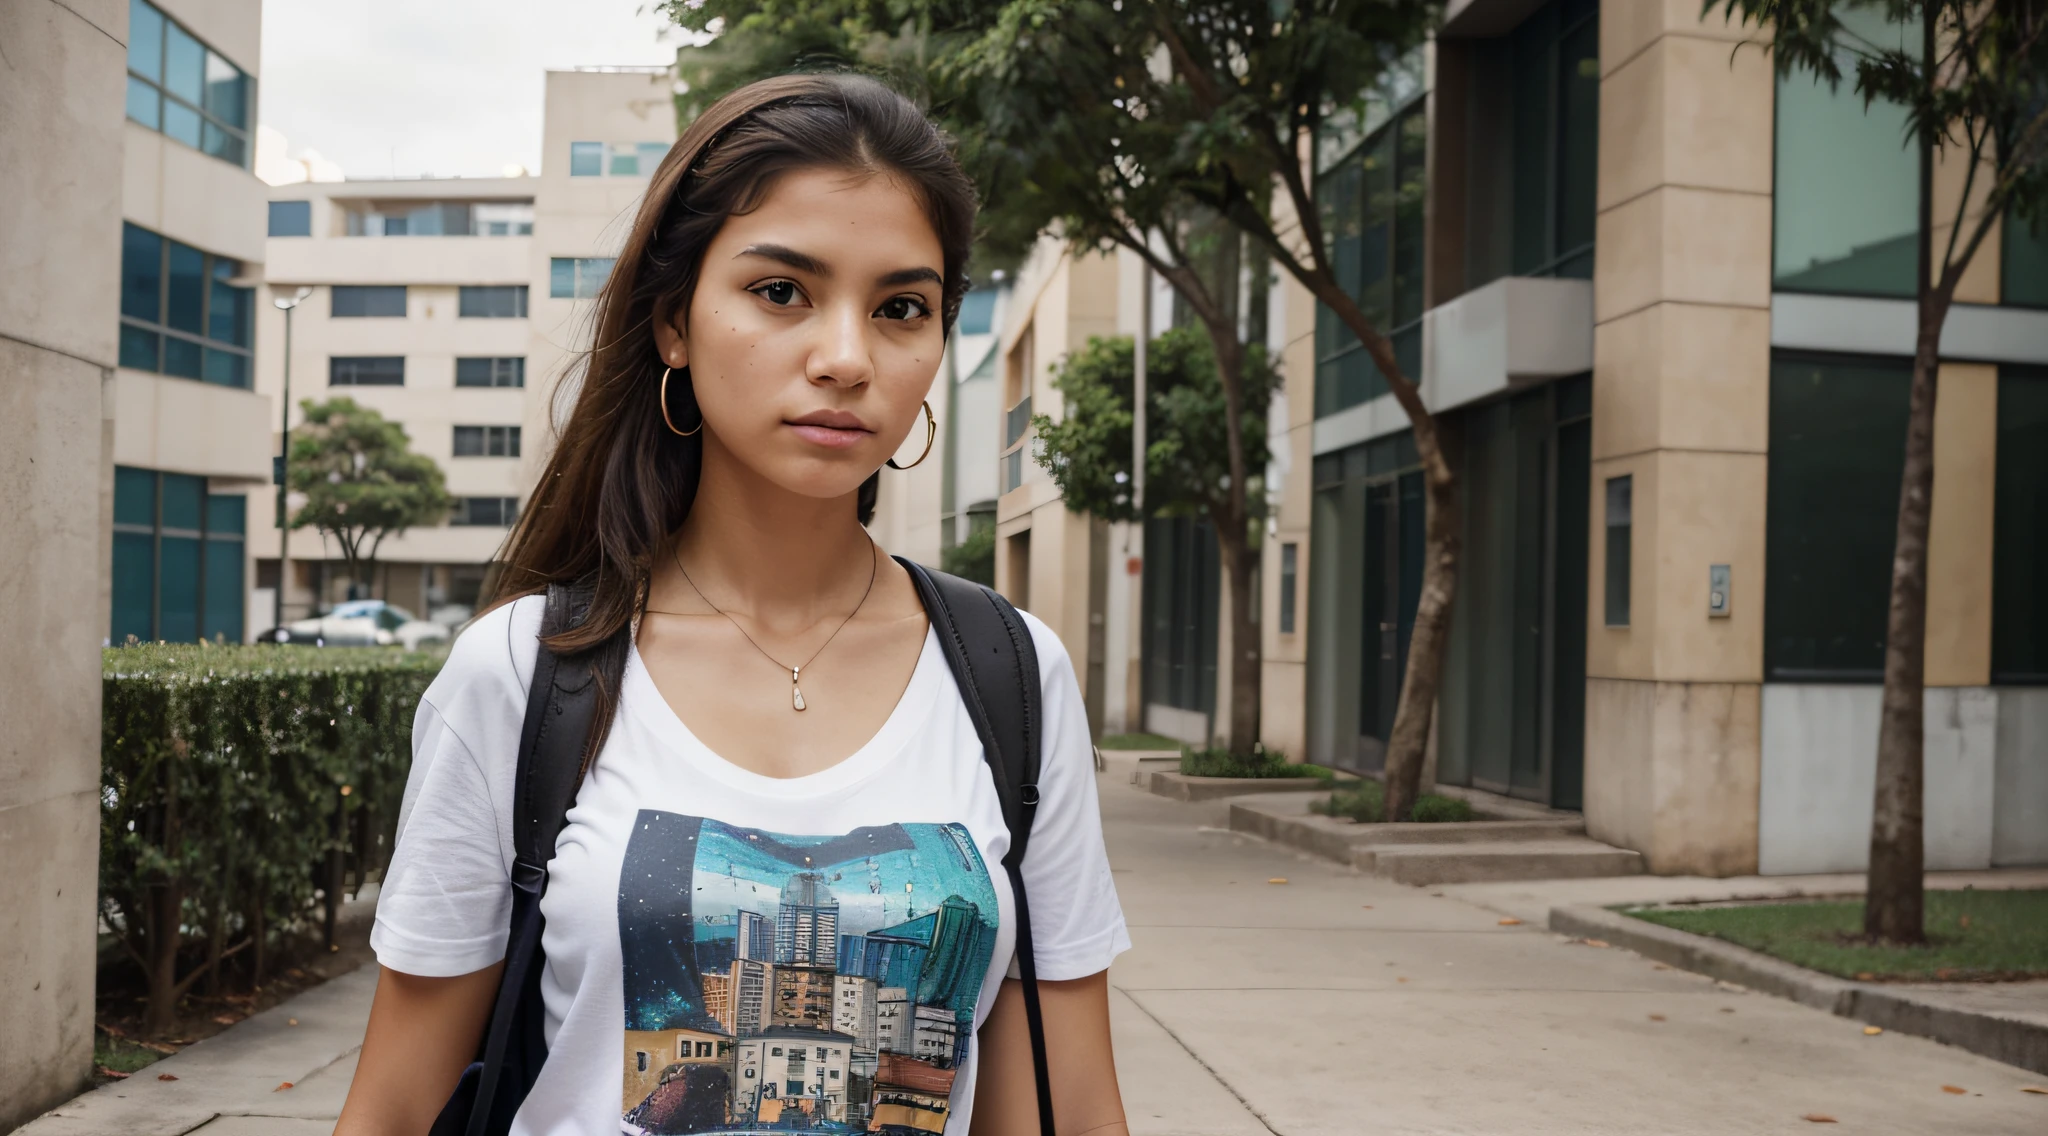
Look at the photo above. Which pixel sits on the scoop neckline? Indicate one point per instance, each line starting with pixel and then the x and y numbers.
pixel 643 697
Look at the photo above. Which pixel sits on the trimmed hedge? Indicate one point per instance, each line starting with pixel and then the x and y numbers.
pixel 230 775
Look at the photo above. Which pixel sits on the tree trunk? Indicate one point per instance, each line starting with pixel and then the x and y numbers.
pixel 1443 534
pixel 166 908
pixel 1892 909
pixel 1238 559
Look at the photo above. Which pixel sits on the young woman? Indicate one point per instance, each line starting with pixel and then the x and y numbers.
pixel 772 905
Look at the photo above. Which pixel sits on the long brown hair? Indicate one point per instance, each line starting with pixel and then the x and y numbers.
pixel 619 481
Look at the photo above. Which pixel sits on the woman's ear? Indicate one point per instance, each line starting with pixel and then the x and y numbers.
pixel 669 342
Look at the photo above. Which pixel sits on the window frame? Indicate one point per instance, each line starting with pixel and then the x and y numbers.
pixel 159 85
pixel 497 372
pixel 468 441
pixel 461 516
pixel 354 366
pixel 1335 348
pixel 488 296
pixel 211 538
pixel 366 292
pixel 215 272
pixel 300 218
pixel 1618 586
pixel 578 276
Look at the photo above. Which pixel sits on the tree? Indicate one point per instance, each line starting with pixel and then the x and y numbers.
pixel 361 481
pixel 1088 451
pixel 1973 78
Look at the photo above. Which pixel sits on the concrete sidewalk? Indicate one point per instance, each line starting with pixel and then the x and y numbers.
pixel 1329 1005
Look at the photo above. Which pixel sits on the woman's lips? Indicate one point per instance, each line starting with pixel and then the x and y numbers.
pixel 831 437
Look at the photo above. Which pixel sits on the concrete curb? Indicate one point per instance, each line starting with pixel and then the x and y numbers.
pixel 2011 1040
pixel 1178 786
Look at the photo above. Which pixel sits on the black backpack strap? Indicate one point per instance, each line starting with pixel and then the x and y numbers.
pixel 989 648
pixel 560 701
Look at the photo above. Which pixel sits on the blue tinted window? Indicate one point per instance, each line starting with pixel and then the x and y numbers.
pixel 134 586
pixel 182 358
pixel 145 105
pixel 625 160
pixel 140 348
pixel 577 278
pixel 381 300
pixel 145 41
pixel 226 514
pixel 977 311
pixel 291 218
pixel 227 315
pixel 225 368
pixel 184 501
pixel 586 159
pixel 177 594
pixel 184 65
pixel 651 154
pixel 182 123
pixel 225 87
pixel 142 272
pixel 223 606
pixel 134 496
pixel 2026 261
pixel 187 306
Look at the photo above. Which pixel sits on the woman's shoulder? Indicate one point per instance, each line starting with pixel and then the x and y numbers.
pixel 490 664
pixel 1055 666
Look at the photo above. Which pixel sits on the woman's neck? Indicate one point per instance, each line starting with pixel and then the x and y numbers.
pixel 754 548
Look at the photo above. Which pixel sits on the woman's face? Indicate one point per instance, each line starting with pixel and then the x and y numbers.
pixel 815 331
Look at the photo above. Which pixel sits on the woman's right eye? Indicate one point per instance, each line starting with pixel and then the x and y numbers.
pixel 781 293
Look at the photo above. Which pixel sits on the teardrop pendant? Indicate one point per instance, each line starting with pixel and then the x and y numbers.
pixel 796 693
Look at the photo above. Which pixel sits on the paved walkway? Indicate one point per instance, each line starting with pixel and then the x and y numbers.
pixel 1331 1004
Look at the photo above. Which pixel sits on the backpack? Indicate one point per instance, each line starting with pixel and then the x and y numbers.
pixel 989 649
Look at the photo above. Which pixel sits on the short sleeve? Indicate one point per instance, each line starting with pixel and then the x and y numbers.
pixel 446 900
pixel 1077 925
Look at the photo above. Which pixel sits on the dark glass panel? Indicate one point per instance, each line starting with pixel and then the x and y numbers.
pixel 226 513
pixel 184 64
pixel 178 589
pixel 2026 261
pixel 187 289
pixel 224 595
pixel 184 501
pixel 181 122
pixel 2019 557
pixel 1620 520
pixel 1578 134
pixel 139 348
pixel 145 40
pixel 134 496
pixel 226 92
pixel 1412 142
pixel 145 104
pixel 226 368
pixel 291 218
pixel 1837 450
pixel 183 358
pixel 142 274
pixel 227 316
pixel 134 587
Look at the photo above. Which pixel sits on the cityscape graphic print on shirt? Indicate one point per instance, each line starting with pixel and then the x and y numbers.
pixel 812 984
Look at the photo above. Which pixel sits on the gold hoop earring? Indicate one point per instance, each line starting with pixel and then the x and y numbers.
pixel 664 410
pixel 931 430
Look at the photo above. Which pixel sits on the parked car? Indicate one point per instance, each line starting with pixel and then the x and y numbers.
pixel 364 623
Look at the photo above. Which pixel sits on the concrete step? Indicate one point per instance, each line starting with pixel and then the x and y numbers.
pixel 1577 857
pixel 1473 832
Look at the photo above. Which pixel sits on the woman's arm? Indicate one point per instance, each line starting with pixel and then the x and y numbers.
pixel 423 1033
pixel 1085 1098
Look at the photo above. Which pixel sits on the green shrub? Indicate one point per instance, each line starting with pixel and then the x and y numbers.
pixel 974 558
pixel 227 776
pixel 1365 803
pixel 1261 763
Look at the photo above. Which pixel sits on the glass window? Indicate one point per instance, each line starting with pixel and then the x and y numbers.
pixel 177 86
pixel 180 312
pixel 1373 205
pixel 178 565
pixel 2025 261
pixel 497 301
pixel 586 159
pixel 977 313
pixel 507 371
pixel 366 301
pixel 485 511
pixel 366 371
pixel 1848 184
pixel 291 218
pixel 507 219
pixel 577 278
pixel 145 41
pixel 625 160
pixel 2019 557
pixel 651 154
pixel 1289 573
pixel 1620 532
pixel 1837 451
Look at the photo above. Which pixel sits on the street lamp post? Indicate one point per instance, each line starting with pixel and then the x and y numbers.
pixel 284 458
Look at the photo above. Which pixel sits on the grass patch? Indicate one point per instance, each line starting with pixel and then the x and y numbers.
pixel 1363 803
pixel 1972 936
pixel 121 1055
pixel 1260 764
pixel 1137 741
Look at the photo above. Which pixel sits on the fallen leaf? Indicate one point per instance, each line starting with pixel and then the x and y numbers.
pixel 1656 1017
pixel 1400 980
pixel 1511 921
pixel 1819 1118
pixel 1865 976
pixel 166 1076
pixel 2035 1089
pixel 224 1019
pixel 1964 922
pixel 1955 1090
pixel 291 1021
pixel 295 972
pixel 1872 1031
pixel 116 1074
pixel 1945 973
pixel 282 1086
pixel 1596 942
pixel 1367 906
pixel 1727 1009
pixel 1277 880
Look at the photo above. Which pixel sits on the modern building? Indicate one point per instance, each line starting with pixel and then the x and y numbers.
pixel 786 1073
pixel 456 307
pixel 807 922
pixel 853 1010
pixel 1660 300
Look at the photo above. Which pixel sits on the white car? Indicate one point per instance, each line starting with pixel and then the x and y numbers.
pixel 365 623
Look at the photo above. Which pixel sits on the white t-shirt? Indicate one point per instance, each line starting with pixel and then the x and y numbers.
pixel 728 949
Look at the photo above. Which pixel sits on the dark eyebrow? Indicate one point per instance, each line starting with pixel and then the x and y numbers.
pixel 911 276
pixel 802 262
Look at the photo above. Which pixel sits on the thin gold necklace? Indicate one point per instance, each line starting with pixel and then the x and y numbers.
pixel 796 692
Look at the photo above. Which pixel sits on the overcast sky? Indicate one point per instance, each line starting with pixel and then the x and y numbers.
pixel 444 87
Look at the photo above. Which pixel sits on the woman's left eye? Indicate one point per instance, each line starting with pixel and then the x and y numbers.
pixel 903 308
pixel 781 293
